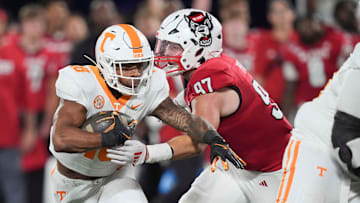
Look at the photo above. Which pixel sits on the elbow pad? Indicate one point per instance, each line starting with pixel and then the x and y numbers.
pixel 345 138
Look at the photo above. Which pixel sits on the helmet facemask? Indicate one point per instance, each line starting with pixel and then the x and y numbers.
pixel 114 72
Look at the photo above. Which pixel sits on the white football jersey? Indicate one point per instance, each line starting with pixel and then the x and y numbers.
pixel 85 85
pixel 342 93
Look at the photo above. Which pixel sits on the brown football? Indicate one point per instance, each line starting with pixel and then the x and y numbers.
pixel 103 120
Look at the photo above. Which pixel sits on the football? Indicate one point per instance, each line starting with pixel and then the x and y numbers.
pixel 103 120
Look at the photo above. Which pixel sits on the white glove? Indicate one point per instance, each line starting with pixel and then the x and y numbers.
pixel 132 152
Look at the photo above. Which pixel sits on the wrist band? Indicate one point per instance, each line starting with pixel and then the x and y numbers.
pixel 159 152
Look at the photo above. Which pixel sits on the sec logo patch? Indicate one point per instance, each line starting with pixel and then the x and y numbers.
pixel 99 102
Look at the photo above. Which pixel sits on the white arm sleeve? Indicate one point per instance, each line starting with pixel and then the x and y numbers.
pixel 349 96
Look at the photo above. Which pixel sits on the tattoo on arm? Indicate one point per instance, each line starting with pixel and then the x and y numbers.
pixel 177 117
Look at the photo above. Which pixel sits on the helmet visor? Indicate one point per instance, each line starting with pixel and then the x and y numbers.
pixel 167 56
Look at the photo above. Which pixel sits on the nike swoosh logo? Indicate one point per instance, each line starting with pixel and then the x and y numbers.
pixel 136 106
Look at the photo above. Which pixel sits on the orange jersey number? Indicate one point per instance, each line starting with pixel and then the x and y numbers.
pixel 80 69
pixel 101 154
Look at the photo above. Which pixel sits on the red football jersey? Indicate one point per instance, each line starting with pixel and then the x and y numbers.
pixel 268 63
pixel 258 132
pixel 12 89
pixel 245 56
pixel 314 64
pixel 39 67
pixel 61 47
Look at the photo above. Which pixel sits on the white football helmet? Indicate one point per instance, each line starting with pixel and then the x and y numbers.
pixel 119 46
pixel 197 34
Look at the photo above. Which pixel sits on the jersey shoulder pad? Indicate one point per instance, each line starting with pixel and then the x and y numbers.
pixel 158 80
pixel 210 77
pixel 72 82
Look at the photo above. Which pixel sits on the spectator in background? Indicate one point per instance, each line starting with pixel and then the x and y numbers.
pixel 163 8
pixel 347 22
pixel 311 61
pixel 76 29
pixel 148 16
pixel 57 14
pixel 231 7
pixel 172 6
pixel 102 14
pixel 268 61
pixel 41 66
pixel 12 86
pixel 239 42
pixel 344 15
pixel 147 23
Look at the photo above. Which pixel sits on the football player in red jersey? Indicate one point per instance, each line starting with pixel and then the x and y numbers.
pixel 220 90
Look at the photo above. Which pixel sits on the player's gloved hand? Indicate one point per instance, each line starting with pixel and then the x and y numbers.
pixel 132 152
pixel 220 150
pixel 117 133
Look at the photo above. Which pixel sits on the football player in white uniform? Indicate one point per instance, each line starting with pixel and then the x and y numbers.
pixel 123 80
pixel 326 133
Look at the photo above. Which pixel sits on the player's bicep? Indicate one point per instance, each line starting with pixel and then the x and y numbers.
pixel 69 118
pixel 208 107
pixel 70 114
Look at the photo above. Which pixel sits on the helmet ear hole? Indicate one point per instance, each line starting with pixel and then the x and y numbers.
pixel 201 60
pixel 199 52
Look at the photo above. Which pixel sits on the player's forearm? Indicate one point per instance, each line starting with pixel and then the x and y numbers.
pixel 184 147
pixel 71 139
pixel 180 147
pixel 182 120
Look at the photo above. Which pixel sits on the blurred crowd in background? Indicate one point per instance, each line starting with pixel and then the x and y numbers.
pixel 292 48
